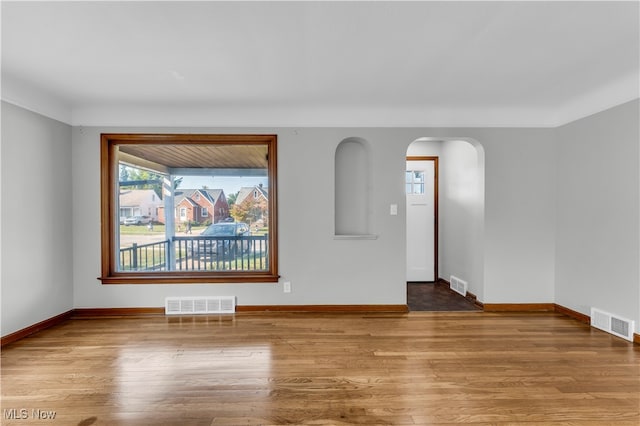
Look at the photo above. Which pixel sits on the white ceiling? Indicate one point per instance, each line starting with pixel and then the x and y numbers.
pixel 320 63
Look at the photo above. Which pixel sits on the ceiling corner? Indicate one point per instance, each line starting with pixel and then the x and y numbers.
pixel 19 93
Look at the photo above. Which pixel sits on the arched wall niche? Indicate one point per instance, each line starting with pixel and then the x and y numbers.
pixel 353 188
pixel 460 207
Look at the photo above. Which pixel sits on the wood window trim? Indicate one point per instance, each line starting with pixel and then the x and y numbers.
pixel 109 186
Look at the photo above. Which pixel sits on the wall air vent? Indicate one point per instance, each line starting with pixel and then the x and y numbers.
pixel 457 285
pixel 199 305
pixel 613 324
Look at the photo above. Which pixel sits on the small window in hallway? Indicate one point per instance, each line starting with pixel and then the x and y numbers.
pixel 415 182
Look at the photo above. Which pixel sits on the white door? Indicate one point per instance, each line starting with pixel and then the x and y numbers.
pixel 420 189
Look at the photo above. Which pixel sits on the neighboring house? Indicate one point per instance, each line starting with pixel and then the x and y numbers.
pixel 199 205
pixel 139 202
pixel 252 205
pixel 252 193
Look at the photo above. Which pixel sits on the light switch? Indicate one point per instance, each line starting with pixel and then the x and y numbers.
pixel 393 210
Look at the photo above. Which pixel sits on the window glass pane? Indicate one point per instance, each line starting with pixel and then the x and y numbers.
pixel 415 182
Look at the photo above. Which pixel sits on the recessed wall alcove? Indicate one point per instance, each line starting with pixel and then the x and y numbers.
pixel 352 206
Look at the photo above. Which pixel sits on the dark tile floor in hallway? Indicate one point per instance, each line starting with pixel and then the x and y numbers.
pixel 436 297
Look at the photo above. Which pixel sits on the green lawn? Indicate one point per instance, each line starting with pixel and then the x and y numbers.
pixel 141 229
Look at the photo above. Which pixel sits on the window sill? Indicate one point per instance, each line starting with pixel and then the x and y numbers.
pixel 179 278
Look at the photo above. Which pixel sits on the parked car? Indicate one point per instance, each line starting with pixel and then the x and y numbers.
pixel 138 220
pixel 231 245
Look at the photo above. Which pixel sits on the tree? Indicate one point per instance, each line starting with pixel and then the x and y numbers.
pixel 145 178
pixel 250 210
pixel 124 173
pixel 231 198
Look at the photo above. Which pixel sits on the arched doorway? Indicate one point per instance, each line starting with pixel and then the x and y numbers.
pixel 459 216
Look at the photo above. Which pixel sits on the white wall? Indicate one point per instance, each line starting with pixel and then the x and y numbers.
pixel 519 215
pixel 598 253
pixel 593 216
pixel 37 281
pixel 519 220
pixel 323 270
pixel 462 214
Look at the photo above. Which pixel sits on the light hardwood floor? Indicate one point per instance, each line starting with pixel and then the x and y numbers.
pixel 285 368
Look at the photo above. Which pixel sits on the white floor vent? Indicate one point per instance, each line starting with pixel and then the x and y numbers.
pixel 199 305
pixel 612 324
pixel 457 285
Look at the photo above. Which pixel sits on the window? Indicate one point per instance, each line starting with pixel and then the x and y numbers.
pixel 180 249
pixel 415 182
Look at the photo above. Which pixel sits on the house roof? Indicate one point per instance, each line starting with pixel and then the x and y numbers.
pixel 313 63
pixel 211 195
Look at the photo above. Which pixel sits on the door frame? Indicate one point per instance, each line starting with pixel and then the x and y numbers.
pixel 435 207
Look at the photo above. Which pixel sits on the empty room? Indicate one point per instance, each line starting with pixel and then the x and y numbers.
pixel 327 213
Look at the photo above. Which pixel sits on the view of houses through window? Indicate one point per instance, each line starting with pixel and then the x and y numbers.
pixel 243 199
pixel 236 200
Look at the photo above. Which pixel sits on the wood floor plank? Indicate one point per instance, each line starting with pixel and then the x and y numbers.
pixel 323 369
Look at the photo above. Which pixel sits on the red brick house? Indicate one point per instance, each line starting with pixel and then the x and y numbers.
pixel 198 206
